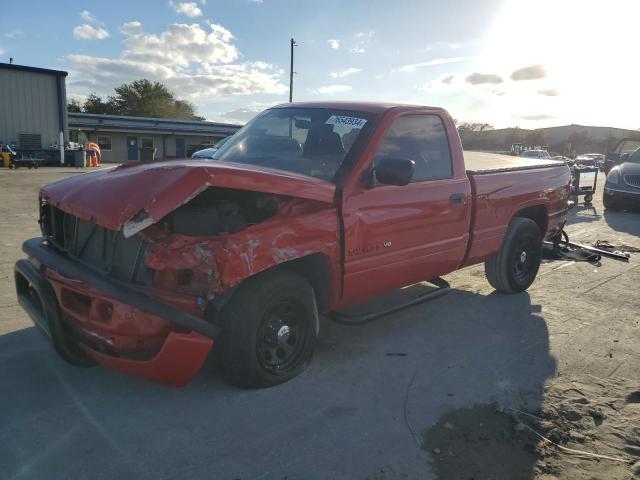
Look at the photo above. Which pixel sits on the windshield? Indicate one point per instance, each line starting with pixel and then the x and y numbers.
pixel 634 157
pixel 310 141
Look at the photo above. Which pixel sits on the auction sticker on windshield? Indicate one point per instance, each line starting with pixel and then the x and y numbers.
pixel 354 122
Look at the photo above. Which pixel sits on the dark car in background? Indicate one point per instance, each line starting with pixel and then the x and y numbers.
pixel 622 189
pixel 620 153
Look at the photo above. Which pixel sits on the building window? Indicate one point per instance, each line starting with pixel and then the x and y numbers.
pixel 146 142
pixel 104 142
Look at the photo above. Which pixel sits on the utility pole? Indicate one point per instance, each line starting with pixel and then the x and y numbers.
pixel 293 44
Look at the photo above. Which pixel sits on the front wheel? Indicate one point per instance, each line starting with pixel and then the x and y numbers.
pixel 588 198
pixel 269 330
pixel 514 268
pixel 608 202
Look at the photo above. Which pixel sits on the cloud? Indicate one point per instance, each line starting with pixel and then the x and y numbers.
pixel 333 43
pixel 344 73
pixel 131 28
pixel 190 9
pixel 361 35
pixel 254 1
pixel 244 114
pixel 182 44
pixel 89 32
pixel 197 62
pixel 536 117
pixel 549 92
pixel 448 79
pixel 88 17
pixel 483 78
pixel 532 72
pixel 362 39
pixel 13 34
pixel 1 51
pixel 437 61
pixel 332 89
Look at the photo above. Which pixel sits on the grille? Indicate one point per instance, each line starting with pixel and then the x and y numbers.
pixel 633 180
pixel 102 249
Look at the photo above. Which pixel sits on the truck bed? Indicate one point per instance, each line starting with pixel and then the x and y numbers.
pixel 487 162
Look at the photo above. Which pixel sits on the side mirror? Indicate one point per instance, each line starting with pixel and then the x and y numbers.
pixel 394 171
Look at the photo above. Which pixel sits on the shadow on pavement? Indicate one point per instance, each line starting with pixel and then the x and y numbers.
pixel 623 221
pixel 363 409
pixel 583 213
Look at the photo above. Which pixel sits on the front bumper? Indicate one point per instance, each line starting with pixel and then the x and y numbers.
pixel 181 353
pixel 627 196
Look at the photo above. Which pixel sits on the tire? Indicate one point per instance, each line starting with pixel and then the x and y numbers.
pixel 609 203
pixel 514 268
pixel 588 198
pixel 269 330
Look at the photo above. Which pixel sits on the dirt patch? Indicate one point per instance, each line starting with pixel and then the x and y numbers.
pixel 586 429
pixel 480 443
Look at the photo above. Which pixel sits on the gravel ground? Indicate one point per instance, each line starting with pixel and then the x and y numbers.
pixel 435 391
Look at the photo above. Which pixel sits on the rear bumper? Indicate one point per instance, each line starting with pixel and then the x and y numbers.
pixel 178 358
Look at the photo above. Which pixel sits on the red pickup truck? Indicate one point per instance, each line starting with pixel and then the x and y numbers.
pixel 309 208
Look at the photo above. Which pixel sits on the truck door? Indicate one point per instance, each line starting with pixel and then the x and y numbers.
pixel 399 235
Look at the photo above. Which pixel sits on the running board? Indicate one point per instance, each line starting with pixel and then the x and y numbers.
pixel 346 319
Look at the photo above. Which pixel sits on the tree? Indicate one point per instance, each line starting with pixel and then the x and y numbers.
pixel 140 98
pixel 94 104
pixel 535 137
pixel 475 126
pixel 74 106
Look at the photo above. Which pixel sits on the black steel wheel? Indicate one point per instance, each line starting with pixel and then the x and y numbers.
pixel 281 336
pixel 523 257
pixel 269 329
pixel 514 268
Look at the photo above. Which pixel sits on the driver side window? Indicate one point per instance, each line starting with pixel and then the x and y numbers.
pixel 420 138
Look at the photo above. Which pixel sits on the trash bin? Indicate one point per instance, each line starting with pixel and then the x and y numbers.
pixel 147 154
pixel 79 158
pixel 6 159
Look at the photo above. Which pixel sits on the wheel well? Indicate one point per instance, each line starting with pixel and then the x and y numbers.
pixel 316 268
pixel 537 213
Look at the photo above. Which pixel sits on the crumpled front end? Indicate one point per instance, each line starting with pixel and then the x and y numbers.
pixel 147 303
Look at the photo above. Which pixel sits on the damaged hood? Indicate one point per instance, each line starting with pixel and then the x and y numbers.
pixel 146 192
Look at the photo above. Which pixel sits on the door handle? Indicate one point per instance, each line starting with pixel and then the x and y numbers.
pixel 457 198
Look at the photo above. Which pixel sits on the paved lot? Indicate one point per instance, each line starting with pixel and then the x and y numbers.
pixel 365 406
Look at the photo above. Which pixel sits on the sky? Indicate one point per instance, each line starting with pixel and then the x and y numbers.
pixel 526 63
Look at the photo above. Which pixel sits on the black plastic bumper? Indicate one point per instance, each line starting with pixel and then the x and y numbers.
pixel 27 278
pixel 619 196
pixel 36 296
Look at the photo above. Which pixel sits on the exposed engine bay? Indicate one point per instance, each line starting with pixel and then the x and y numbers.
pixel 220 210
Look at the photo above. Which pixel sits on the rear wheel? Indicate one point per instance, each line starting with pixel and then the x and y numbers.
pixel 270 327
pixel 588 197
pixel 514 268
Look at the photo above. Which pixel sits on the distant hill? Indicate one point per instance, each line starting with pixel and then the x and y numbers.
pixel 563 140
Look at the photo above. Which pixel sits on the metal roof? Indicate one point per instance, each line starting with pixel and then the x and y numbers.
pixel 92 121
pixel 25 68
